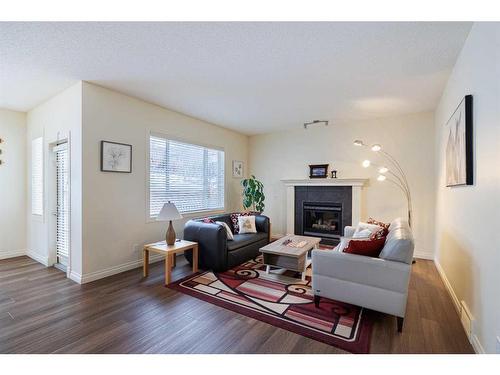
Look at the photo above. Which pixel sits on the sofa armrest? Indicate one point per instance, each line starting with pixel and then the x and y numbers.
pixel 212 242
pixel 262 223
pixel 361 269
pixel 349 231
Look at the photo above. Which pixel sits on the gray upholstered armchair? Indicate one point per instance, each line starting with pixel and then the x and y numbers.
pixel 379 284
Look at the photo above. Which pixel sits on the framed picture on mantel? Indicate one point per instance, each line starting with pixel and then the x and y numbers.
pixel 318 171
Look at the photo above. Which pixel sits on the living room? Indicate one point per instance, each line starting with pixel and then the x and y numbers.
pixel 249 187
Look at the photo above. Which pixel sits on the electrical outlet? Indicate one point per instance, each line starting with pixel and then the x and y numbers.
pixel 498 344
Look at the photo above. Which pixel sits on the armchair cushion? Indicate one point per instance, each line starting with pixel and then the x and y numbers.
pixel 399 244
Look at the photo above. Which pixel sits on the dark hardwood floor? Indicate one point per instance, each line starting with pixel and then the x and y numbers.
pixel 43 312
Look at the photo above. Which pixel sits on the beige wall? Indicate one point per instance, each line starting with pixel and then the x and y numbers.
pixel 56 119
pixel 12 184
pixel 410 139
pixel 115 225
pixel 467 217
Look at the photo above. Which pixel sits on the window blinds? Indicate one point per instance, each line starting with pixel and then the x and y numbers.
pixel 62 202
pixel 37 176
pixel 188 175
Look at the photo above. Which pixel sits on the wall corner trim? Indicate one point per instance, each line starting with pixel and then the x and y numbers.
pixel 76 277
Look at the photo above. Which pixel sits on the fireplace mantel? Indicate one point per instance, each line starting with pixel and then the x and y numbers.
pixel 327 181
pixel 356 183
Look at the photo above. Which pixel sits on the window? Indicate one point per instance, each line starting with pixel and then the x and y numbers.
pixel 37 176
pixel 188 175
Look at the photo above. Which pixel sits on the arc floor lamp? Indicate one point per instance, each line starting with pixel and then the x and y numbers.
pixel 396 173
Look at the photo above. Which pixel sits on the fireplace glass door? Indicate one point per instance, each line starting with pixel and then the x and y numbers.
pixel 322 220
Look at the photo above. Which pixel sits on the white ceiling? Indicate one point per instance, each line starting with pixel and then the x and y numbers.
pixel 251 77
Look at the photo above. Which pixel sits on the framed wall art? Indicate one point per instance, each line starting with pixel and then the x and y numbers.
pixel 459 153
pixel 237 169
pixel 116 157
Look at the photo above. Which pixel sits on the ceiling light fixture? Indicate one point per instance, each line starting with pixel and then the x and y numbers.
pixel 358 143
pixel 314 122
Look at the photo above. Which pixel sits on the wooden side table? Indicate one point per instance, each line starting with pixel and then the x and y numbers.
pixel 169 251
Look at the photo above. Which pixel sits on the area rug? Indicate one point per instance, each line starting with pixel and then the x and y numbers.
pixel 284 301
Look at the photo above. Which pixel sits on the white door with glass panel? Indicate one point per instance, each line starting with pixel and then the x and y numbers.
pixel 62 204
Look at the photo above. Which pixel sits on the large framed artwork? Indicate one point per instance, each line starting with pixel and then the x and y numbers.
pixel 459 153
pixel 116 157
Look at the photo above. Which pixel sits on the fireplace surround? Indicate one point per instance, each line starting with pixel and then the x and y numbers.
pixel 323 211
pixel 346 192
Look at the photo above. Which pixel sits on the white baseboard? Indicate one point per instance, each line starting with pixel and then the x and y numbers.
pixel 451 292
pixel 422 254
pixel 96 275
pixel 39 258
pixel 478 348
pixel 12 254
pixel 473 339
pixel 76 277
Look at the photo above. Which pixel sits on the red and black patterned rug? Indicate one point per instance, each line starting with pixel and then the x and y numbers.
pixel 283 301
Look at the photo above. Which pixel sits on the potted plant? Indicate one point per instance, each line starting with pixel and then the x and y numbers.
pixel 253 194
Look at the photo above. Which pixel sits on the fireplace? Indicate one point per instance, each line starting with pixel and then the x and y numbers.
pixel 322 211
pixel 322 219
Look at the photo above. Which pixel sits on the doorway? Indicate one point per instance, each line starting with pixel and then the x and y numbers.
pixel 61 211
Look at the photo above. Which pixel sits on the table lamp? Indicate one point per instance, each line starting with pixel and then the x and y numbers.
pixel 168 213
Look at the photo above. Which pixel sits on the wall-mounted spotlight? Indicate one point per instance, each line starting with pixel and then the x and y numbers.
pixel 314 122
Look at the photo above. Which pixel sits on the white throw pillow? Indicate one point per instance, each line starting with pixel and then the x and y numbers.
pixel 344 242
pixel 364 233
pixel 230 236
pixel 247 224
pixel 371 227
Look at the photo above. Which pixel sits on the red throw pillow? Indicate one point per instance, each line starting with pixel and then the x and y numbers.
pixel 208 220
pixel 369 248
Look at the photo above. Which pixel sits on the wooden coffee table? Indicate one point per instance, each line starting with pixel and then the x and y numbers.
pixel 291 258
pixel 169 251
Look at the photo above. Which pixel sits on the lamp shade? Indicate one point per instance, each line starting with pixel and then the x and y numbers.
pixel 168 212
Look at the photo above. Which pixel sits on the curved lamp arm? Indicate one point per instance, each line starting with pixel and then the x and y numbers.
pixel 408 197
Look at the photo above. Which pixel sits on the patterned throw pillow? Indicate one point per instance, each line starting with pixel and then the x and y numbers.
pixel 382 232
pixel 234 219
pixel 246 224
pixel 379 223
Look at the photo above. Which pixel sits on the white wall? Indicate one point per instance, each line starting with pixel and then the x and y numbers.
pixel 115 226
pixel 56 119
pixel 467 217
pixel 12 184
pixel 410 139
